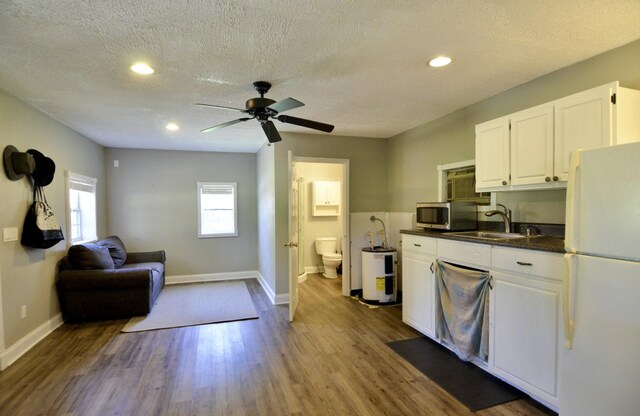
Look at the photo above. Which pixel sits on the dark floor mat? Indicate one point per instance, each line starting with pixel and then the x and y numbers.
pixel 472 386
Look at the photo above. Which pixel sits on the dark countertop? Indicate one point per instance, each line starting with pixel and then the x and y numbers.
pixel 552 244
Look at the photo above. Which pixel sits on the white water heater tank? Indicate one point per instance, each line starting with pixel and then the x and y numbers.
pixel 379 280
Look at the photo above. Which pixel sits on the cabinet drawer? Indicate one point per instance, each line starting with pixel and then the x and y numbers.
pixel 472 254
pixel 419 244
pixel 536 263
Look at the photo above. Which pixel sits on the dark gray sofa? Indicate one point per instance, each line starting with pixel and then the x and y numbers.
pixel 102 281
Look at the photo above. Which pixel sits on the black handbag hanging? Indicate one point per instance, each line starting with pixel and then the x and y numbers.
pixel 41 229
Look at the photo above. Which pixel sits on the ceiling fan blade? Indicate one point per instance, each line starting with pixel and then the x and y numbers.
pixel 285 105
pixel 306 123
pixel 222 107
pixel 227 124
pixel 271 132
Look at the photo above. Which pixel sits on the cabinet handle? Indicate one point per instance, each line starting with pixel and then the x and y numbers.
pixel 522 263
pixel 431 267
pixel 547 179
pixel 504 182
pixel 417 245
pixel 555 178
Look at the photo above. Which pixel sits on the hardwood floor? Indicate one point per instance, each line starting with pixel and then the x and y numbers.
pixel 332 360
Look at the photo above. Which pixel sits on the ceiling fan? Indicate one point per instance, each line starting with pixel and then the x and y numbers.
pixel 265 109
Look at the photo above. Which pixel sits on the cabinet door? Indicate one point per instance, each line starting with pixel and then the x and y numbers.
pixel 524 333
pixel 333 193
pixel 532 146
pixel 492 154
pixel 320 192
pixel 418 291
pixel 582 121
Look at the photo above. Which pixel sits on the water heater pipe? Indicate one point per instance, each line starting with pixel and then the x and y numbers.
pixel 373 218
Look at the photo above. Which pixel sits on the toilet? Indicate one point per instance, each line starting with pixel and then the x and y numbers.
pixel 326 247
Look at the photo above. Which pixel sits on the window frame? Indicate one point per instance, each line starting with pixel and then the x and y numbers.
pixel 86 181
pixel 199 186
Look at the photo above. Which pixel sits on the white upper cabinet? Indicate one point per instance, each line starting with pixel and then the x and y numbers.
pixel 532 146
pixel 326 198
pixel 538 140
pixel 492 148
pixel 599 117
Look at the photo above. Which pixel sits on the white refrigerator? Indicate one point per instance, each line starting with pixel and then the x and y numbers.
pixel 600 362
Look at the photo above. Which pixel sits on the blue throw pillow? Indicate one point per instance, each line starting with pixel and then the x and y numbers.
pixel 90 256
pixel 116 249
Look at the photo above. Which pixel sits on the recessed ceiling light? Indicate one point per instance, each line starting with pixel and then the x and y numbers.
pixel 172 127
pixel 440 61
pixel 142 68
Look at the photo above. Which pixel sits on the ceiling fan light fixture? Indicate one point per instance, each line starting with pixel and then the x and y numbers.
pixel 172 127
pixel 264 109
pixel 439 61
pixel 142 68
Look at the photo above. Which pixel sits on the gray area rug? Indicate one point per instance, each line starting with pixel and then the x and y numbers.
pixel 196 304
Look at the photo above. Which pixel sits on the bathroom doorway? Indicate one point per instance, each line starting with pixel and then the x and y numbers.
pixel 320 222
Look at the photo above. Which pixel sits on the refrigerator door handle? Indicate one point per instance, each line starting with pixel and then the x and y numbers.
pixel 571 219
pixel 569 301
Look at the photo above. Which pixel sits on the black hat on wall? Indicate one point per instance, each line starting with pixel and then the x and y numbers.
pixel 45 168
pixel 17 164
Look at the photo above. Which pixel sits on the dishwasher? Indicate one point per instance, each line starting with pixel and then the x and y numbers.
pixel 462 309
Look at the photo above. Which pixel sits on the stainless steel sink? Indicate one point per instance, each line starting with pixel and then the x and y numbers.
pixel 490 235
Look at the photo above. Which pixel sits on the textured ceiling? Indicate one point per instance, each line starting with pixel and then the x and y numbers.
pixel 360 64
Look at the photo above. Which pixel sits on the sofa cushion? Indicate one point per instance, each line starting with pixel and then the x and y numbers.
pixel 90 256
pixel 116 250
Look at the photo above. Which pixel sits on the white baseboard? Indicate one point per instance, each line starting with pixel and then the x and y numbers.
pixel 281 299
pixel 267 289
pixel 314 269
pixel 20 348
pixel 215 277
pixel 211 277
pixel 275 299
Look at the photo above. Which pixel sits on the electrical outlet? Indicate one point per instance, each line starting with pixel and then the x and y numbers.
pixel 24 311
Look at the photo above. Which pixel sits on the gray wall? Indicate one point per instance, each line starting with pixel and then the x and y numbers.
pixel 28 274
pixel 415 154
pixel 152 205
pixel 266 215
pixel 367 181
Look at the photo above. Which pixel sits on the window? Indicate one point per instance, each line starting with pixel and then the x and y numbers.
pixel 217 209
pixel 461 186
pixel 457 182
pixel 81 208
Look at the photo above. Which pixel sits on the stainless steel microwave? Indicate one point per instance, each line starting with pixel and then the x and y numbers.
pixel 446 215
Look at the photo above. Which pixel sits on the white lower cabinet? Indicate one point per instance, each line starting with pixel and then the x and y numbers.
pixel 525 318
pixel 418 283
pixel 525 306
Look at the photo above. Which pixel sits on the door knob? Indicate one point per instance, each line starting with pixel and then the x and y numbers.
pixel 547 179
pixel 555 178
pixel 504 182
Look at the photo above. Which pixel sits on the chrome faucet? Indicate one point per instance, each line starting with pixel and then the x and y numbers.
pixel 506 216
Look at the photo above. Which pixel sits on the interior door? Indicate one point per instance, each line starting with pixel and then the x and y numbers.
pixel 293 239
